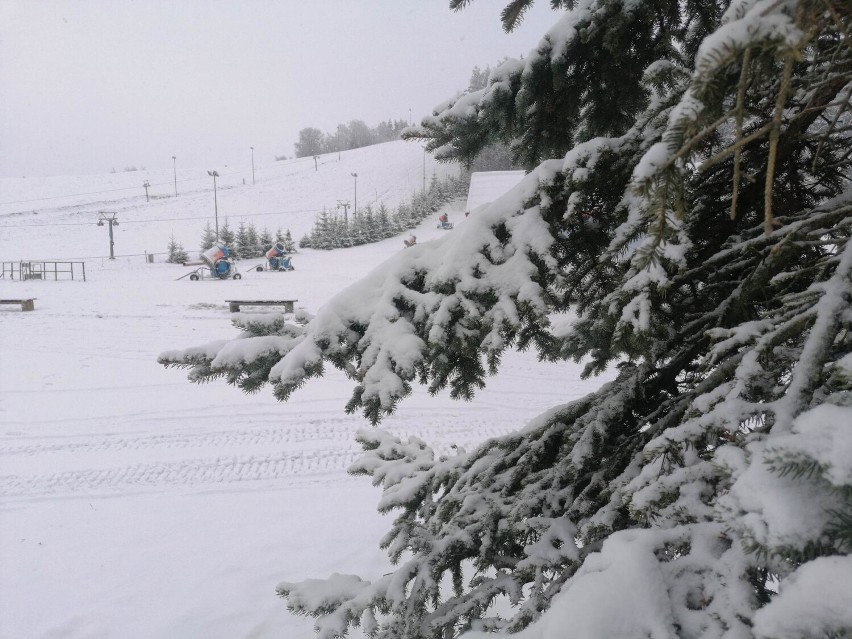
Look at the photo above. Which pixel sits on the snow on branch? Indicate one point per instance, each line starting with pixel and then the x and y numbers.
pixel 392 327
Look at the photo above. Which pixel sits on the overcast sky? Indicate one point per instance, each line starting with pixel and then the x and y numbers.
pixel 91 85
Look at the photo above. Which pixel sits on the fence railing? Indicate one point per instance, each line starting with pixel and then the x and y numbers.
pixel 42 270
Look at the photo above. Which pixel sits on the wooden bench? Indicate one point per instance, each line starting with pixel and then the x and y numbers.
pixel 234 305
pixel 26 304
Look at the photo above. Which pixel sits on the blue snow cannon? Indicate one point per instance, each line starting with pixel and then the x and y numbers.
pixel 220 261
pixel 277 259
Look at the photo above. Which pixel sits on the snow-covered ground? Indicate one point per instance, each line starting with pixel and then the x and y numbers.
pixel 134 504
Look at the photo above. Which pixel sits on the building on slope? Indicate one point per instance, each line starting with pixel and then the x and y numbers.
pixel 487 186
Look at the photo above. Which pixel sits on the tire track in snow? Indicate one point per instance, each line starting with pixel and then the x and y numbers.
pixel 220 439
pixel 189 472
pixel 341 430
pixel 330 450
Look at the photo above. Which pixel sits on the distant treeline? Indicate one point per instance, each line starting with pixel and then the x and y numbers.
pixel 353 135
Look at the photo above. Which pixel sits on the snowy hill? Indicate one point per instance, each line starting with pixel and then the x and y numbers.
pixel 55 217
pixel 134 504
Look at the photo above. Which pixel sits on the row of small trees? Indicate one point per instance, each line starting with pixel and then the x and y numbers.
pixel 246 242
pixel 332 230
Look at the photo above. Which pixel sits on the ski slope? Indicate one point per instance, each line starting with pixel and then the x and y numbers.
pixel 56 217
pixel 134 504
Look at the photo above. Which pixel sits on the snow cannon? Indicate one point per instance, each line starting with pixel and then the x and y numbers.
pixel 218 259
pixel 275 251
pixel 277 260
pixel 215 252
pixel 222 268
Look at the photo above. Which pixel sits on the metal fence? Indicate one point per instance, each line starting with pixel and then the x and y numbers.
pixel 42 270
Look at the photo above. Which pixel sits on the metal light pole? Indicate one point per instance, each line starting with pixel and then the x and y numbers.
pixel 146 185
pixel 214 175
pixel 355 207
pixel 174 164
pixel 112 222
pixel 252 165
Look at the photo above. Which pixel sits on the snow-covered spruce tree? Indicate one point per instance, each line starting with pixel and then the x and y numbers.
pixel 265 241
pixel 289 244
pixel 227 235
pixel 699 228
pixel 253 244
pixel 359 227
pixel 208 237
pixel 342 232
pixel 176 253
pixel 322 231
pixel 384 228
pixel 244 248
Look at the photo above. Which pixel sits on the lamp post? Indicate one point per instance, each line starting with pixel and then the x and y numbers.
pixel 146 184
pixel 252 165
pixel 111 221
pixel 355 207
pixel 214 175
pixel 174 166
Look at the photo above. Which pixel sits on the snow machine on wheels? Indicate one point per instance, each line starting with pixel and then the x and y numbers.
pixel 277 260
pixel 444 222
pixel 218 264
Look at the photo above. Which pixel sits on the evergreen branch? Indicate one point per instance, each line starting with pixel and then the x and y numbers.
pixel 844 104
pixel 513 13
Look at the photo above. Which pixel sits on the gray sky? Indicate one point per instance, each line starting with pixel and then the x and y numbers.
pixel 88 86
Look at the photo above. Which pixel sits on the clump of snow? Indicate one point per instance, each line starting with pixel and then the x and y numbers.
pixel 627 576
pixel 812 603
